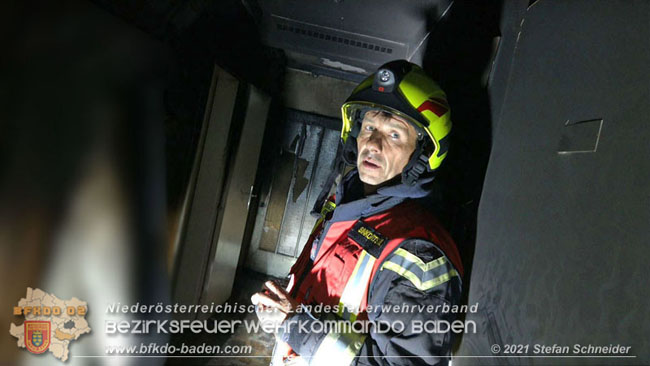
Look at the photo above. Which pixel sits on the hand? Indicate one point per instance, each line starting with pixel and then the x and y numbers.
pixel 273 304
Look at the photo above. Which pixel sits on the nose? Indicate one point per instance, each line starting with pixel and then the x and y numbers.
pixel 374 143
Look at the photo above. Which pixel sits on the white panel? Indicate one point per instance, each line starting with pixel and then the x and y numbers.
pixel 229 241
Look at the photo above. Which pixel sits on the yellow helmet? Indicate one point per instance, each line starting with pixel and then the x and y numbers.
pixel 402 88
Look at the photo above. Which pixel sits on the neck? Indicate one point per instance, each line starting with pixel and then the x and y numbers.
pixel 369 189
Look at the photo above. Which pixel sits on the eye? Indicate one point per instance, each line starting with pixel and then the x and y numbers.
pixel 394 135
pixel 369 128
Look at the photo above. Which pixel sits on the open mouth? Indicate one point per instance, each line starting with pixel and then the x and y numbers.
pixel 369 164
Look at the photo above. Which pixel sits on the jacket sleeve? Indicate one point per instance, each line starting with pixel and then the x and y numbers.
pixel 416 287
pixel 412 288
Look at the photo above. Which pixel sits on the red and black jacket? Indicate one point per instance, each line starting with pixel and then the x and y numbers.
pixel 382 251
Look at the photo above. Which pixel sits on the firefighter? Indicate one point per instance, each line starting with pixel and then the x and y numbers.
pixel 376 252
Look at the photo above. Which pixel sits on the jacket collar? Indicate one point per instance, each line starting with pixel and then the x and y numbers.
pixel 351 204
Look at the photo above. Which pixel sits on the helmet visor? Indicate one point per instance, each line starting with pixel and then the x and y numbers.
pixel 353 114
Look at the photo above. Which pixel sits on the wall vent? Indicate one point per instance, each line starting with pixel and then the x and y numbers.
pixel 333 38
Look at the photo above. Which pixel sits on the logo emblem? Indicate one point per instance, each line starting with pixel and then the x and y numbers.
pixel 37 336
pixel 49 320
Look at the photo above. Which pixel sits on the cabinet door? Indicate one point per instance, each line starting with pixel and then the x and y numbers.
pixel 302 159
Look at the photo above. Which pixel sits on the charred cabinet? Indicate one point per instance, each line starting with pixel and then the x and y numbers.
pixel 301 161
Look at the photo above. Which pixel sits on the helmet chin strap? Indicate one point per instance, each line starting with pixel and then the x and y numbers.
pixel 415 166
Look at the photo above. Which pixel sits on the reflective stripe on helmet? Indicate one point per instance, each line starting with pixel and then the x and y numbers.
pixel 427 97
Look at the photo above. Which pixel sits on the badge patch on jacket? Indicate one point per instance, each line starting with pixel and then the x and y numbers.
pixel 368 238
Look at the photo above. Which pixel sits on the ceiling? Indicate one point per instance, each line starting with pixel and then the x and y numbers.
pixel 347 39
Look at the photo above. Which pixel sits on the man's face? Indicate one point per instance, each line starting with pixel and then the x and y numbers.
pixel 385 144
